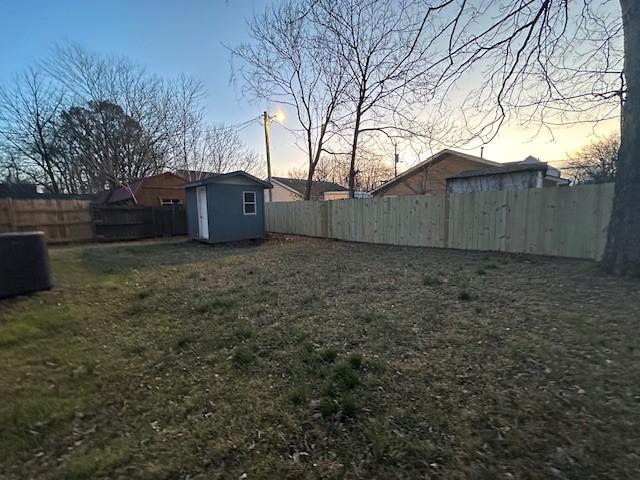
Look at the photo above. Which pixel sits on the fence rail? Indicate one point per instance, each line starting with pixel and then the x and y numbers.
pixel 567 222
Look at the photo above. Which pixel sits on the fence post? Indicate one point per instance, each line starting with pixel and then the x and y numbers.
pixel 446 219
pixel 11 214
pixel 324 227
pixel 92 219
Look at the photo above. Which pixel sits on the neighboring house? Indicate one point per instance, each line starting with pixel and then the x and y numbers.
pixel 226 207
pixel 292 189
pixel 529 173
pixel 431 174
pixel 36 191
pixel 163 189
pixel 20 190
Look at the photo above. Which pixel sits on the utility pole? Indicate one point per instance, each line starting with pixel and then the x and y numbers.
pixel 396 159
pixel 265 118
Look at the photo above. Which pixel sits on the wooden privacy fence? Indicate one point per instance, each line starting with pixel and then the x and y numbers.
pixel 135 222
pixel 567 222
pixel 78 221
pixel 60 220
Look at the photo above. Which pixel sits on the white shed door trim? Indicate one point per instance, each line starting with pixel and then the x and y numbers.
pixel 203 217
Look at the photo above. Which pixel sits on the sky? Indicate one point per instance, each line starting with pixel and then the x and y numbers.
pixel 170 37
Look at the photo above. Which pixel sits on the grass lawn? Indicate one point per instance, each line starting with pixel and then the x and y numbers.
pixel 303 358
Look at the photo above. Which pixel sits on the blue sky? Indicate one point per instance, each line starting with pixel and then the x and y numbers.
pixel 170 37
pixel 167 37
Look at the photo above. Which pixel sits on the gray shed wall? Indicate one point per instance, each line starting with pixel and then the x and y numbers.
pixel 227 221
pixel 491 183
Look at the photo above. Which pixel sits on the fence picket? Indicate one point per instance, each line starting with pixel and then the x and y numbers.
pixel 570 222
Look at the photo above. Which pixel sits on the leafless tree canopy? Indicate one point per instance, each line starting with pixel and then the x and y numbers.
pixel 82 122
pixel 595 162
pixel 288 62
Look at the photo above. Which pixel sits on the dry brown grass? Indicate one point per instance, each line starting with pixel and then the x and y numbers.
pixel 303 358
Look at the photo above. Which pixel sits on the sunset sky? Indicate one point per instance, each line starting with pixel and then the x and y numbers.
pixel 170 37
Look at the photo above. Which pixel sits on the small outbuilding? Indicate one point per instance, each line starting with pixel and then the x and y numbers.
pixel 226 207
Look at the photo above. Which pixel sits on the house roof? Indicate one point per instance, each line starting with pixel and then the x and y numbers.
pixel 218 177
pixel 441 154
pixel 299 186
pixel 194 175
pixel 510 167
pixel 127 192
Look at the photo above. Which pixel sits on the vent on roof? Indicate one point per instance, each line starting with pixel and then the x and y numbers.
pixel 24 263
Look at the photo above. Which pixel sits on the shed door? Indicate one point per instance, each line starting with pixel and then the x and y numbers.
pixel 203 218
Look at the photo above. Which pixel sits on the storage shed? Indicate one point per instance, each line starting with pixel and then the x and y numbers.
pixel 226 207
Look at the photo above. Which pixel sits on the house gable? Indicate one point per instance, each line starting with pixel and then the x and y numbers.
pixel 431 175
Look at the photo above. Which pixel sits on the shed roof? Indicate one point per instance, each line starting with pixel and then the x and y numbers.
pixel 299 186
pixel 219 177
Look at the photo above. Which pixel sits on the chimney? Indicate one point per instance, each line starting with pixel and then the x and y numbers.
pixel 482 152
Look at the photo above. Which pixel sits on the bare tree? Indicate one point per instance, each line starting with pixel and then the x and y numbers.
pixel 224 151
pixel 595 162
pixel 385 45
pixel 104 147
pixel 28 114
pixel 288 62
pixel 373 170
pixel 150 101
pixel 552 62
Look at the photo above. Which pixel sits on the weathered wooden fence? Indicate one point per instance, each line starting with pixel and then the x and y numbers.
pixel 136 222
pixel 60 220
pixel 568 222
pixel 65 220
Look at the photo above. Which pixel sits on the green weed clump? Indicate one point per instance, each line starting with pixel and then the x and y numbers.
pixel 37 323
pixel 355 360
pixel 242 357
pixel 329 355
pixel 464 296
pixel 430 281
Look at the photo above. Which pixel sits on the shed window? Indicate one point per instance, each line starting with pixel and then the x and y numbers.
pixel 249 203
pixel 170 201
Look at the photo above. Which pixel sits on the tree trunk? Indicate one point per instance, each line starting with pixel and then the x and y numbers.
pixel 622 254
pixel 354 152
pixel 307 190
